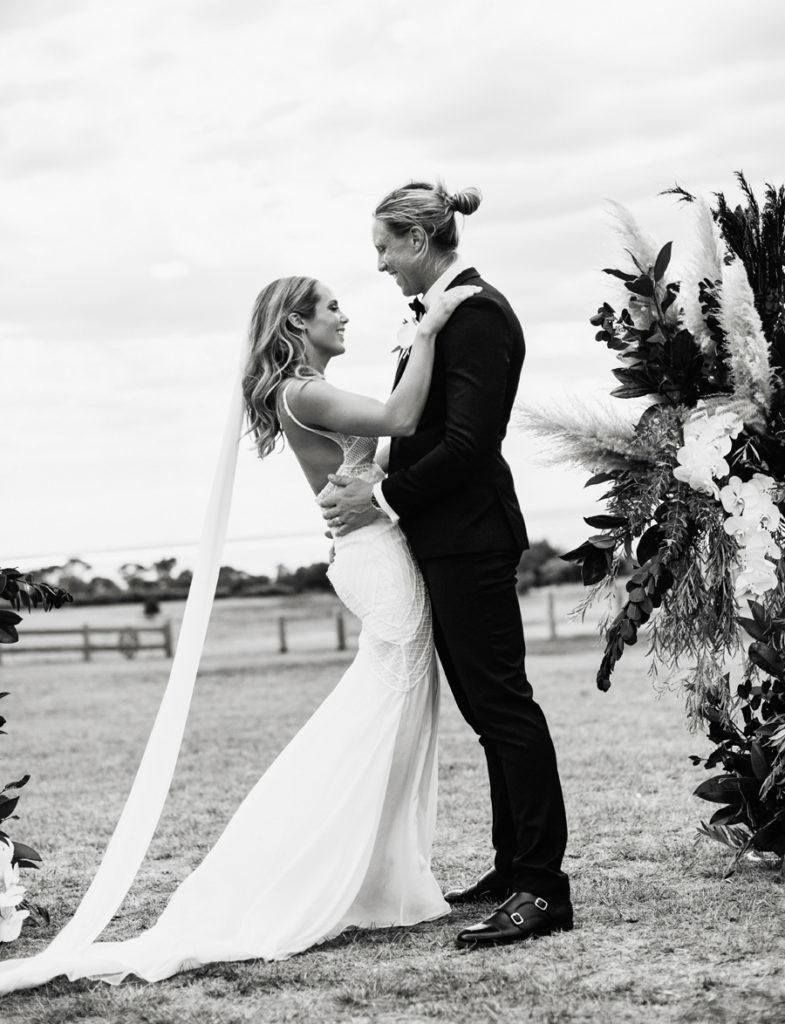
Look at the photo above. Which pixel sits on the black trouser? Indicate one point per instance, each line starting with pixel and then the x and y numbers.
pixel 479 638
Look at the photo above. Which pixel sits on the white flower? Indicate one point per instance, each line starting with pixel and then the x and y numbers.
pixel 11 925
pixel 706 428
pixel 763 482
pixel 697 474
pixel 701 461
pixel 707 440
pixel 6 853
pixel 760 544
pixel 11 894
pixel 757 580
pixel 740 527
pixel 730 496
pixel 405 336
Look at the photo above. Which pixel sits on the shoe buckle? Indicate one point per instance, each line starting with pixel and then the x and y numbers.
pixel 516 918
pixel 540 903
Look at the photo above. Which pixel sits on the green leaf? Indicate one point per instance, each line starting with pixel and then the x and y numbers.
pixel 599 478
pixel 766 658
pixel 621 274
pixel 596 566
pixel 631 391
pixel 7 806
pixel 22 852
pixel 760 763
pixel 18 784
pixel 772 835
pixel 753 627
pixel 642 285
pixel 726 789
pixel 649 544
pixel 760 614
pixel 577 554
pixel 603 541
pixel 662 261
pixel 726 815
pixel 605 522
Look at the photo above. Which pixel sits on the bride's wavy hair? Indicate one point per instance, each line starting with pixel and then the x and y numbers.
pixel 276 354
pixel 430 207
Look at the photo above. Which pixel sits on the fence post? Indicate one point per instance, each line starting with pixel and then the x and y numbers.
pixel 340 629
pixel 282 648
pixel 86 652
pixel 166 630
pixel 550 611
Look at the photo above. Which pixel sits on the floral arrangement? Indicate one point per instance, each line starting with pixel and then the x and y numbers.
pixel 18 591
pixel 695 485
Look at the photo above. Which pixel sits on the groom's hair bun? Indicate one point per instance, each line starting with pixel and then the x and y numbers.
pixel 430 207
pixel 466 201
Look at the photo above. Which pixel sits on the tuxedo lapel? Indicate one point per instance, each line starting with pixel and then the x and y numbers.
pixel 465 277
pixel 403 359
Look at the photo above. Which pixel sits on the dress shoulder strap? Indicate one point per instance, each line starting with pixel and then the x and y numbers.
pixel 293 418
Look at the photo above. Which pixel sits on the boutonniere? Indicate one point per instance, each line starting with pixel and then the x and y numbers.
pixel 405 336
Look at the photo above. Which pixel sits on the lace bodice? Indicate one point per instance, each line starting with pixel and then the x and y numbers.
pixel 358 452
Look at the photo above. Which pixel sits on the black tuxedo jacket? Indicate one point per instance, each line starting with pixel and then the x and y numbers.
pixel 448 482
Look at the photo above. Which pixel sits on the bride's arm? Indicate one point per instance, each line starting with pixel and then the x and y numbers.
pixel 383 457
pixel 323 405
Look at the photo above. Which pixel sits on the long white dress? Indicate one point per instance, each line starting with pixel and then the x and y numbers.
pixel 338 831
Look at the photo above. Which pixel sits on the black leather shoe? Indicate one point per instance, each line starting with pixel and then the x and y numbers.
pixel 488 887
pixel 522 916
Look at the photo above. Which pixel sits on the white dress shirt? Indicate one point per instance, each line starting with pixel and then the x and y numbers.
pixel 440 285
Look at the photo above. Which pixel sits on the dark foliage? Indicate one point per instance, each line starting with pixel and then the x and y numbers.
pixel 21 591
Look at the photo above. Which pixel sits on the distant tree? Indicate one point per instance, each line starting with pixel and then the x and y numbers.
pixel 163 570
pixel 307 577
pixel 541 566
pixel 230 580
pixel 103 589
pixel 135 577
pixel 184 578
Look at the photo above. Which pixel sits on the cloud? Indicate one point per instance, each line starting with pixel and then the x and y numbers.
pixel 161 162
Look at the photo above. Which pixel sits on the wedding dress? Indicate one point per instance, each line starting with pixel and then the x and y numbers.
pixel 336 833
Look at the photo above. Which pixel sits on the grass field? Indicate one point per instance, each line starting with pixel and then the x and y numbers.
pixel 659 936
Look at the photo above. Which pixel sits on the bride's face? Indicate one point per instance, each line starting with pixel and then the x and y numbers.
pixel 325 329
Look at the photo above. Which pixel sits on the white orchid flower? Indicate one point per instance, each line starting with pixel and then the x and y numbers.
pixel 730 496
pixel 6 852
pixel 760 544
pixel 759 507
pixel 740 527
pixel 11 926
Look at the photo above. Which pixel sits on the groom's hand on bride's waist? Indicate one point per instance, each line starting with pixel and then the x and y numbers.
pixel 349 506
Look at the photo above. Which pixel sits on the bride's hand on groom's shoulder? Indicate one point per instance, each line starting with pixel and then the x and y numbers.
pixel 444 306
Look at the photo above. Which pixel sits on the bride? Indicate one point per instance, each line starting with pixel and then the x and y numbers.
pixel 337 832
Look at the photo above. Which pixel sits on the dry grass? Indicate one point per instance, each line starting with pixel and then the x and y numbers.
pixel 659 937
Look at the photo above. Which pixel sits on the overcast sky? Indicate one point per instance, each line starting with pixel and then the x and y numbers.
pixel 162 160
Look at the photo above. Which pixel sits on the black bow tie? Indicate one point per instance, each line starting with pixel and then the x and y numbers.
pixel 417 308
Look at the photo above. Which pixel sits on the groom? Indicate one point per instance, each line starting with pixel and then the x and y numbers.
pixel 453 493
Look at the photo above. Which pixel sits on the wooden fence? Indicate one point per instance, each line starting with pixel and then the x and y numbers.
pixel 340 633
pixel 545 617
pixel 129 641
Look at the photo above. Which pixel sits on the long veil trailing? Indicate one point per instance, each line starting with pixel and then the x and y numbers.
pixel 135 828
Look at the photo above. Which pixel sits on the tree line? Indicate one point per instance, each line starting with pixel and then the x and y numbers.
pixel 163 580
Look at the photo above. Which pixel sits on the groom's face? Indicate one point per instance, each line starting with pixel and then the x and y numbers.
pixel 400 256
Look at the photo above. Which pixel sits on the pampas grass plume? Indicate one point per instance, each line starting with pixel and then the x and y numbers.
pixel 748 350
